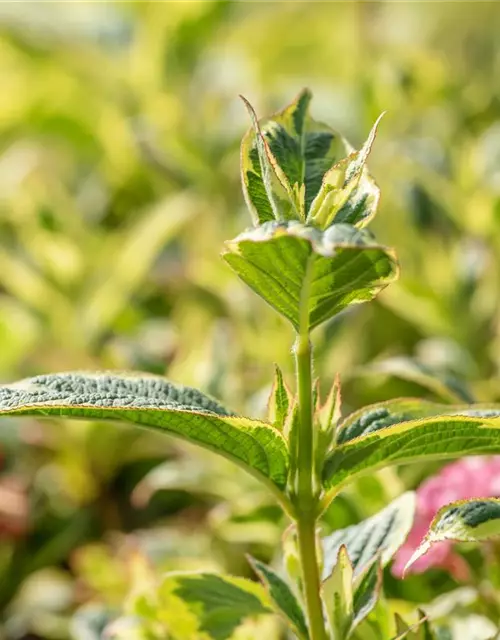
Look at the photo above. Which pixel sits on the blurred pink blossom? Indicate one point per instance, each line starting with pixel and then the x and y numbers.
pixel 477 477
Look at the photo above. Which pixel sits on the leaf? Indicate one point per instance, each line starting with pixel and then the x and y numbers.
pixel 279 401
pixel 445 386
pixel 367 592
pixel 407 430
pixel 339 184
pixel 220 603
pixel 327 417
pixel 267 191
pixel 382 534
pixel 308 275
pixel 296 146
pixel 283 598
pixel 338 596
pixel 328 414
pixel 155 403
pixel 462 521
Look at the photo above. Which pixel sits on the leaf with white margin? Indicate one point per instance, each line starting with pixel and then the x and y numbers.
pixel 280 401
pixel 347 194
pixel 155 403
pixel 473 520
pixel 309 275
pixel 408 430
pixel 283 161
pixel 338 596
pixel 366 593
pixel 381 535
pixel 282 597
pixel 218 604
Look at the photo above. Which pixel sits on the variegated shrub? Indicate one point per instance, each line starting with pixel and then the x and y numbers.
pixel 310 256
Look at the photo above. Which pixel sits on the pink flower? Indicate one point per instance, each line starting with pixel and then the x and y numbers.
pixel 477 477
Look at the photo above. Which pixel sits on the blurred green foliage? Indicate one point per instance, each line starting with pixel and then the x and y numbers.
pixel 120 126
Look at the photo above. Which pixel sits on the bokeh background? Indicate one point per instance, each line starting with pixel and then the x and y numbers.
pixel 120 126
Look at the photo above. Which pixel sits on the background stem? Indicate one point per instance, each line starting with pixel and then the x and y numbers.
pixel 306 500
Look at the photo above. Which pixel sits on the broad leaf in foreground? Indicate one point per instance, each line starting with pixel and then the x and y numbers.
pixel 381 535
pixel 155 403
pixel 218 603
pixel 462 521
pixel 309 275
pixel 408 430
pixel 283 598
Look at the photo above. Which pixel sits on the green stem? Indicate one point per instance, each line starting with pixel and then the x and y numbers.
pixel 305 498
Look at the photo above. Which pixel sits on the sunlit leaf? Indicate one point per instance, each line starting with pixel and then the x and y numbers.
pixel 219 603
pixel 155 403
pixel 347 178
pixel 283 598
pixel 464 521
pixel 296 147
pixel 407 430
pixel 338 596
pixel 279 401
pixel 381 535
pixel 307 275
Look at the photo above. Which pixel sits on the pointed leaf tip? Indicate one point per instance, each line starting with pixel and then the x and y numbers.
pixel 473 520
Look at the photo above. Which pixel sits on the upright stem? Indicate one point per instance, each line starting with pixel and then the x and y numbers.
pixel 306 500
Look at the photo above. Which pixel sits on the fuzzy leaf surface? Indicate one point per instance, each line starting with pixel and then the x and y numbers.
pixel 462 521
pixel 309 275
pixel 381 535
pixel 157 404
pixel 408 430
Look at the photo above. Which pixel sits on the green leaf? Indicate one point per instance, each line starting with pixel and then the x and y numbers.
pixel 367 592
pixel 296 146
pixel 308 275
pixel 283 598
pixel 155 403
pixel 408 430
pixel 279 401
pixel 462 521
pixel 338 596
pixel 381 535
pixel 334 201
pixel 266 189
pixel 445 386
pixel 327 417
pixel 219 603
